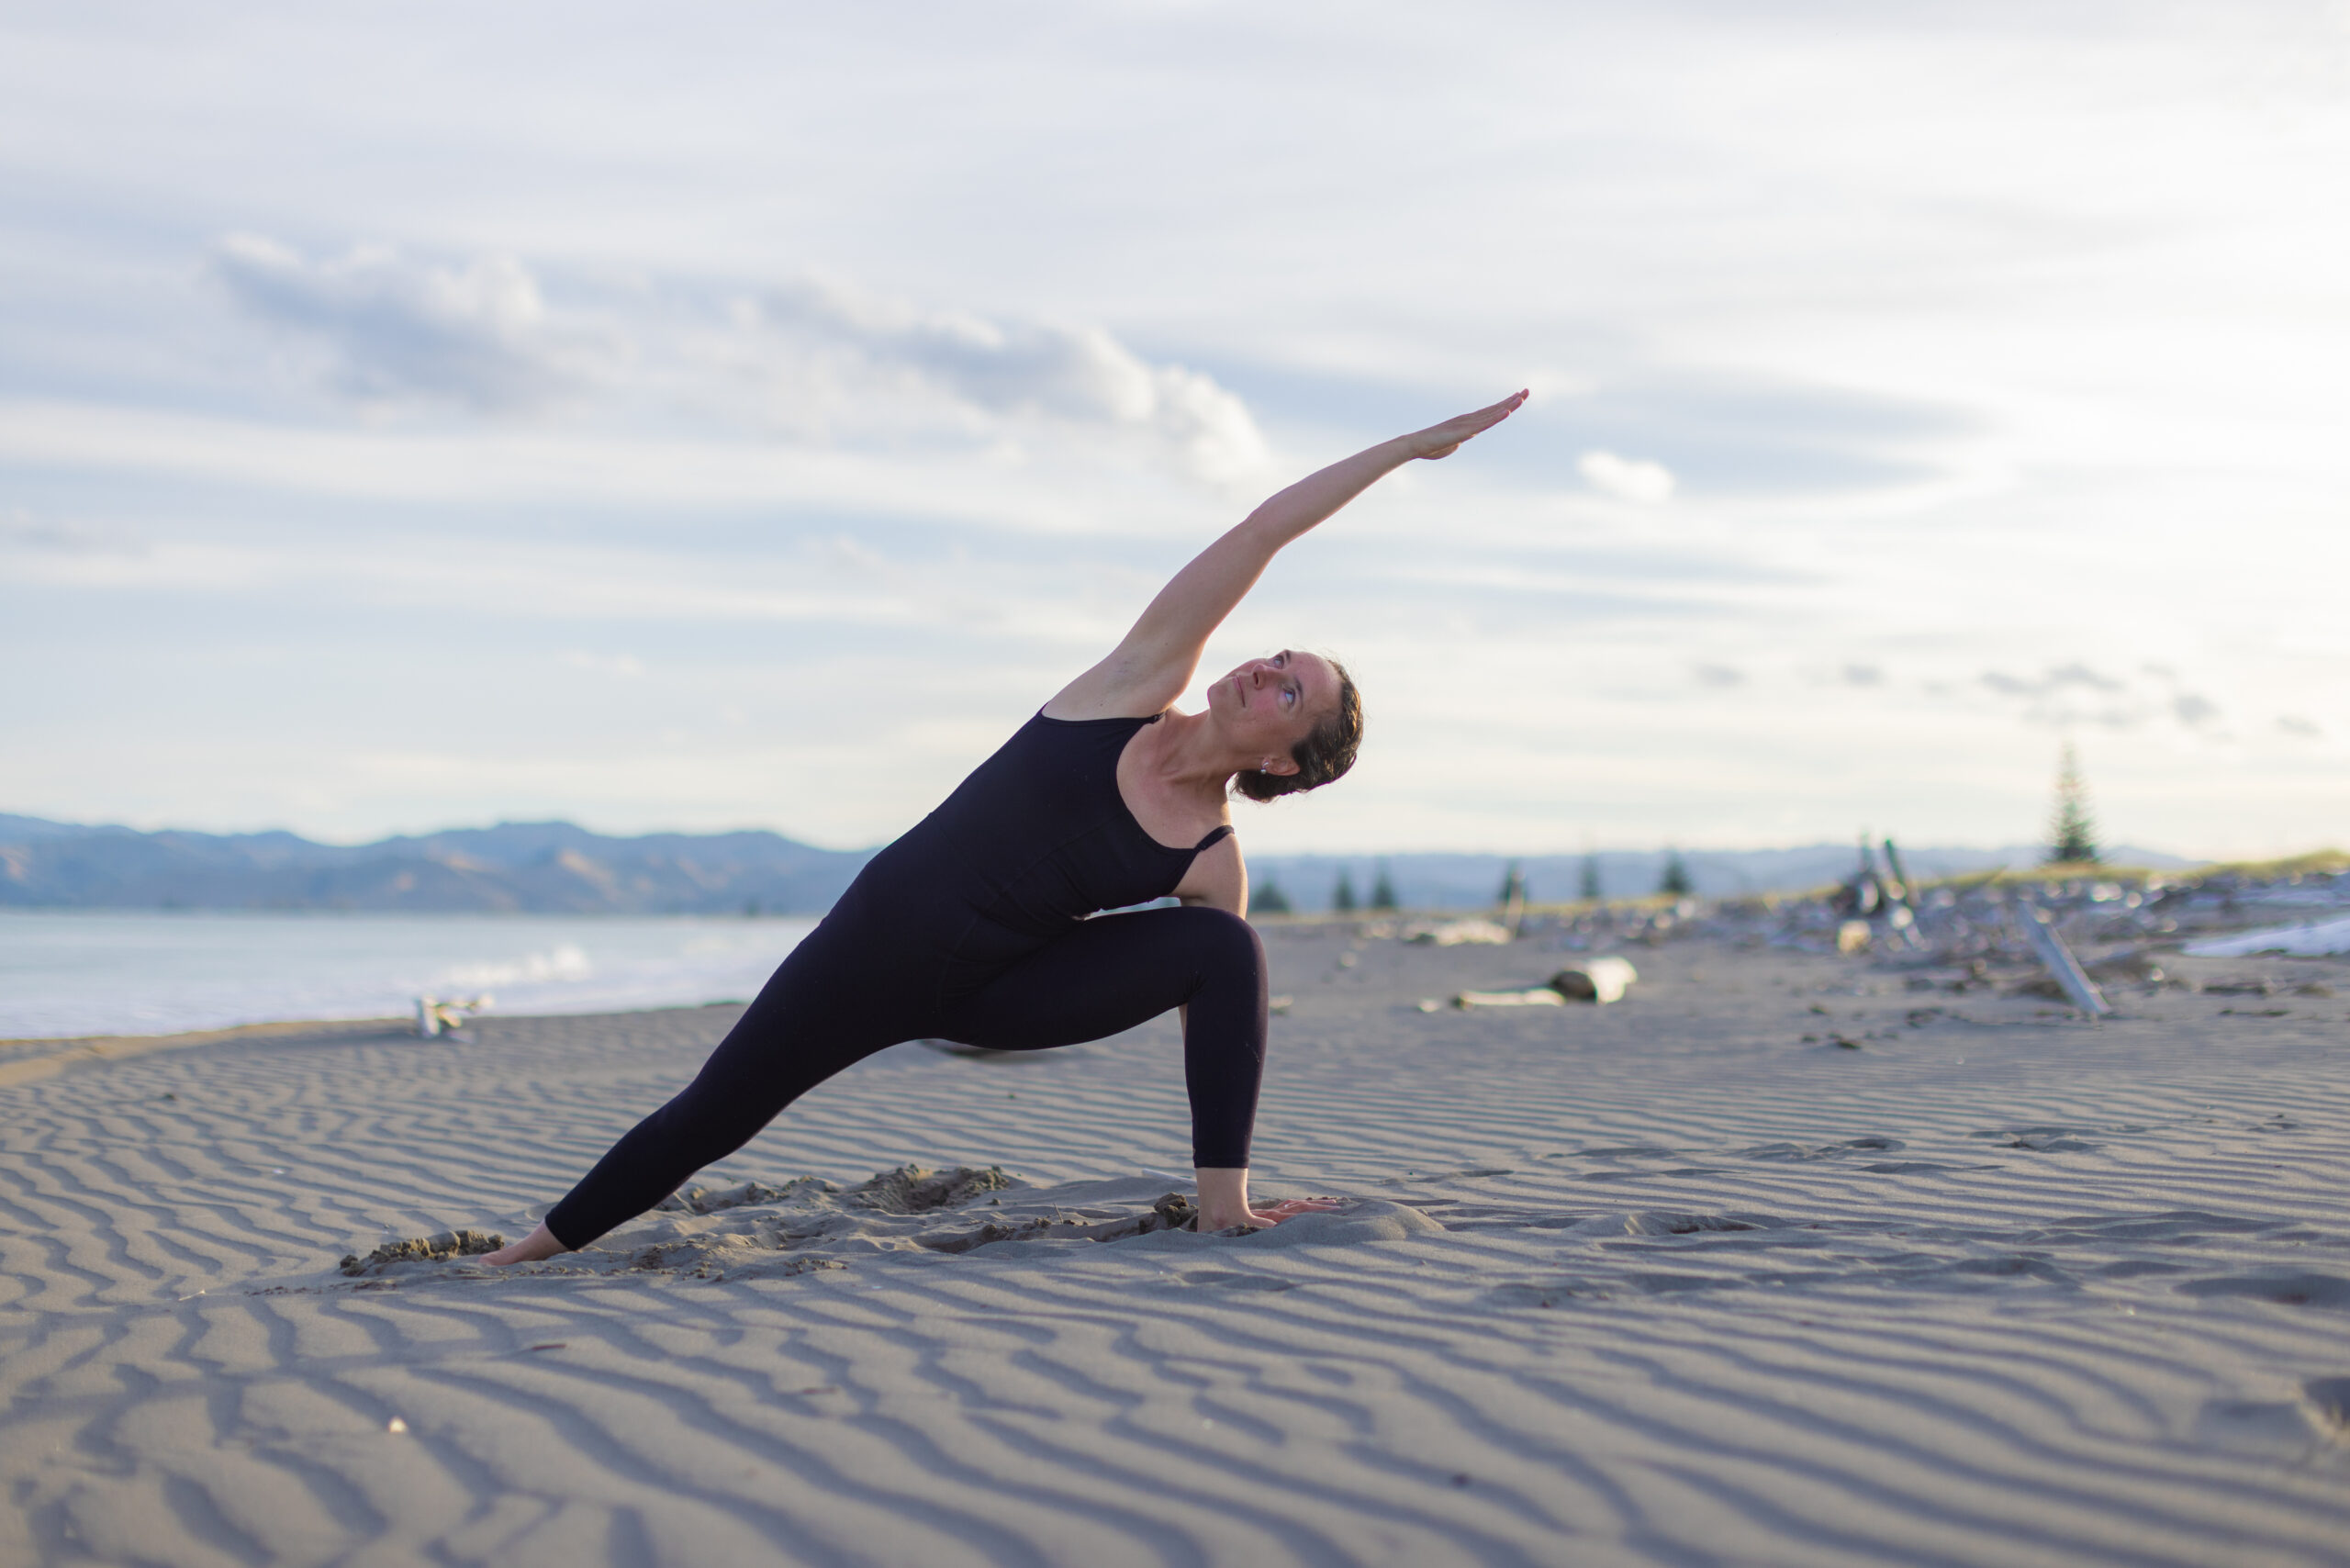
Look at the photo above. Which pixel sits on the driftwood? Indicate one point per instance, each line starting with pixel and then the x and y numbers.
pixel 446 1015
pixel 1598 979
pixel 2062 966
pixel 1454 933
pixel 1539 996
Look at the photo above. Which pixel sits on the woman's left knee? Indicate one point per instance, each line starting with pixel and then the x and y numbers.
pixel 1225 940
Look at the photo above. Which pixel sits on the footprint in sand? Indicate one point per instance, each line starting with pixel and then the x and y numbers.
pixel 2039 1140
pixel 2285 1289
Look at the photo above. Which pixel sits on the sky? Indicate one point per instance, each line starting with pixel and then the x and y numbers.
pixel 743 415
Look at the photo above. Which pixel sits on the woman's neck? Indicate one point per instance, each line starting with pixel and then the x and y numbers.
pixel 1184 753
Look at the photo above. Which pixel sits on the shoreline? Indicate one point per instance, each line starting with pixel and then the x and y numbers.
pixel 38 1057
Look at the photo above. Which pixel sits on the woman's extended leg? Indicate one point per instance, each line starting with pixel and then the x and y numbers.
pixel 818 1014
pixel 1117 970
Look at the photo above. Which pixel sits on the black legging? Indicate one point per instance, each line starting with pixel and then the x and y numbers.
pixel 852 989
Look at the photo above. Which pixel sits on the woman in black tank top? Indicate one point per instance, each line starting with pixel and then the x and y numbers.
pixel 978 925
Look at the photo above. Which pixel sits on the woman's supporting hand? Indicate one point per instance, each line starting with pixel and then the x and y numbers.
pixel 1444 440
pixel 1224 1202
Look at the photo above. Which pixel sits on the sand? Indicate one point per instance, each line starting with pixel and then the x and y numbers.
pixel 1778 1261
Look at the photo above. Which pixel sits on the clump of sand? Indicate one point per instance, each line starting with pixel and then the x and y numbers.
pixel 424 1250
pixel 703 1200
pixel 910 1190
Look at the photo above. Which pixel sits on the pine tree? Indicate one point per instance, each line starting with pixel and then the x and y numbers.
pixel 2073 828
pixel 1268 899
pixel 1342 897
pixel 1591 891
pixel 1383 889
pixel 1675 881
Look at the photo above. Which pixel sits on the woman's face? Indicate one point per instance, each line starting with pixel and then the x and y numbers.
pixel 1268 705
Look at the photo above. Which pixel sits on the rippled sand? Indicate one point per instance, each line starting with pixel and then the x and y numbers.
pixel 1658 1282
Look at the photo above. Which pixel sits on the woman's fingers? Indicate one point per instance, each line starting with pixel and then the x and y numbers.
pixel 1445 439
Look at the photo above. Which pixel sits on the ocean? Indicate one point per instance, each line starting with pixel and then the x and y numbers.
pixel 112 972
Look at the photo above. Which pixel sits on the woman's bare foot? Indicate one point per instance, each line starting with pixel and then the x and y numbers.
pixel 541 1243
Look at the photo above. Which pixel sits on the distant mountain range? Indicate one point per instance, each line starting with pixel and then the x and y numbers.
pixel 557 869
pixel 514 868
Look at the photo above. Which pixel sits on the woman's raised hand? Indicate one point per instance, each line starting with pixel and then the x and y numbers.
pixel 1444 440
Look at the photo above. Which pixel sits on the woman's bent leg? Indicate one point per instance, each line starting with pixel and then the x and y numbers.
pixel 809 1023
pixel 1116 971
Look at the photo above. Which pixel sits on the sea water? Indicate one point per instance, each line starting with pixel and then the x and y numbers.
pixel 109 972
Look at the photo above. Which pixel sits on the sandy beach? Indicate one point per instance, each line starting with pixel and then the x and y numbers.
pixel 1784 1259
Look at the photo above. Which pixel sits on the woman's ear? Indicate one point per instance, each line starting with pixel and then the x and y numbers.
pixel 1278 766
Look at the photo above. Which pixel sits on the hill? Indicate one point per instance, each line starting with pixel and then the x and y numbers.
pixel 538 867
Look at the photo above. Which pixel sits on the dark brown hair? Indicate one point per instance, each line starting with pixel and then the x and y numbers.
pixel 1324 754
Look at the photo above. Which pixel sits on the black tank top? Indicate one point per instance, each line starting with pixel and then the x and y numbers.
pixel 1034 841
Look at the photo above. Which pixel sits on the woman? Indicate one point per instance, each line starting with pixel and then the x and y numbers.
pixel 974 926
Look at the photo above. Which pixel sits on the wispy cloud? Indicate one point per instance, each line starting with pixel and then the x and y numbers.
pixel 2056 678
pixel 2078 693
pixel 825 359
pixel 478 335
pixel 819 331
pixel 21 531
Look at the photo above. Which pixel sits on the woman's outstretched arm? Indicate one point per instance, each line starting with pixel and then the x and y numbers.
pixel 1156 662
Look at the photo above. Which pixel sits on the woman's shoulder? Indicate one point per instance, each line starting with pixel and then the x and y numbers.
pixel 1112 690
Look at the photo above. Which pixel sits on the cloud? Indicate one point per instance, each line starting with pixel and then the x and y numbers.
pixel 1002 370
pixel 827 359
pixel 1627 478
pixel 2294 725
pixel 20 530
pixel 2078 693
pixel 2194 710
pixel 2057 678
pixel 1719 677
pixel 396 330
pixel 1863 675
pixel 604 664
